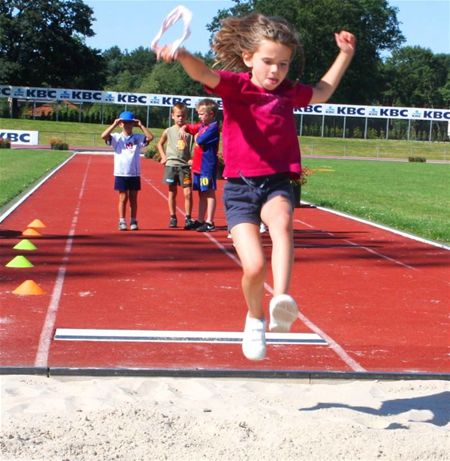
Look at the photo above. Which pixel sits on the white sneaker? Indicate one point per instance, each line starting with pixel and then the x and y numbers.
pixel 283 313
pixel 134 225
pixel 122 226
pixel 254 342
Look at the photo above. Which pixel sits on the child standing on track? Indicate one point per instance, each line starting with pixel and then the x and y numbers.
pixel 261 151
pixel 175 149
pixel 127 163
pixel 204 163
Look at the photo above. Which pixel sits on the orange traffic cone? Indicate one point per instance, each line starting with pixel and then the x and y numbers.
pixel 29 287
pixel 37 224
pixel 30 232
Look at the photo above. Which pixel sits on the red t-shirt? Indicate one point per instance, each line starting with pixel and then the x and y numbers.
pixel 193 129
pixel 259 131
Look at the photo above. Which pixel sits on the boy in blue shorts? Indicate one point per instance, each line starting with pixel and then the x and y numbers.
pixel 127 163
pixel 204 163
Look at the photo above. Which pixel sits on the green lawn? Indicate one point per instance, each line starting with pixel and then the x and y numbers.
pixel 413 197
pixel 19 169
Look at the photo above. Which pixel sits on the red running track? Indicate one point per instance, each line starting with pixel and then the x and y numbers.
pixel 378 299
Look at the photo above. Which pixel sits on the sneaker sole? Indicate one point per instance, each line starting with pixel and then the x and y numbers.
pixel 283 313
pixel 251 355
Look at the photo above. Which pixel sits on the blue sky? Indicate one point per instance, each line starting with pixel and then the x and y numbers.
pixel 133 23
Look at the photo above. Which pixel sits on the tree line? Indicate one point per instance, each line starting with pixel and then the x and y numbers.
pixel 43 45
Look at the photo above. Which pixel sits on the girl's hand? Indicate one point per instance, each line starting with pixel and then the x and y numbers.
pixel 164 53
pixel 346 42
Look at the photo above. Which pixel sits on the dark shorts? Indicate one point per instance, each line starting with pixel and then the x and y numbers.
pixel 178 175
pixel 244 197
pixel 203 183
pixel 124 183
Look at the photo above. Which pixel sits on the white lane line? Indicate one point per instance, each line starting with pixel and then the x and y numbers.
pixel 167 336
pixel 362 247
pixel 337 349
pixel 41 359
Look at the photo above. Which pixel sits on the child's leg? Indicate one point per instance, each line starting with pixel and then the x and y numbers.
pixel 123 199
pixel 201 206
pixel 187 191
pixel 172 199
pixel 277 214
pixel 248 245
pixel 210 196
pixel 133 204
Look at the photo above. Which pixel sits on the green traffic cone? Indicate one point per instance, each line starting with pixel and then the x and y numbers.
pixel 25 244
pixel 19 262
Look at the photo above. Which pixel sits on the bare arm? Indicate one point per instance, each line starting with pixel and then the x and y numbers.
pixel 147 133
pixel 106 135
pixel 160 146
pixel 327 85
pixel 194 66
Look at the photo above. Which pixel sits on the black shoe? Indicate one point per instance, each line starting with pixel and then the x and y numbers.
pixel 207 227
pixel 173 221
pixel 190 224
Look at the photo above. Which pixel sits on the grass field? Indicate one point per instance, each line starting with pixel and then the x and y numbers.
pixel 19 169
pixel 413 197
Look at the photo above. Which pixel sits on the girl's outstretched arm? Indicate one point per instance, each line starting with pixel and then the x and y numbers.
pixel 330 81
pixel 194 66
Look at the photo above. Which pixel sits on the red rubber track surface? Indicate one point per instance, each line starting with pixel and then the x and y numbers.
pixel 380 299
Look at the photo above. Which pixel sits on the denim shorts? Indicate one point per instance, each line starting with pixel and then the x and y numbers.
pixel 244 197
pixel 124 183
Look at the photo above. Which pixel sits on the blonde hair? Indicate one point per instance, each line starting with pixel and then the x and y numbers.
pixel 239 34
pixel 209 104
pixel 180 106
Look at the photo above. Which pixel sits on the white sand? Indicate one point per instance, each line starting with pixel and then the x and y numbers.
pixel 79 418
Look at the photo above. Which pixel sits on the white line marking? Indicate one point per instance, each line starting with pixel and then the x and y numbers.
pixel 31 191
pixel 41 359
pixel 353 364
pixel 214 337
pixel 362 247
pixel 334 346
pixel 337 349
pixel 380 226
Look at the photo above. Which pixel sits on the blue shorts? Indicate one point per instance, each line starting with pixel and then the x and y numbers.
pixel 244 197
pixel 125 183
pixel 203 183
